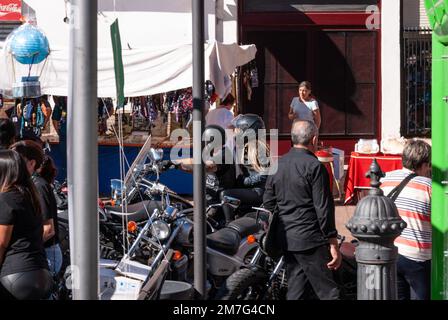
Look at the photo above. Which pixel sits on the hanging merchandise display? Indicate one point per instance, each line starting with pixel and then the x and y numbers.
pixel 139 115
pixel 30 118
pixel 29 46
pixel 151 109
pixel 249 78
pixel 156 115
pixel 186 107
pixel 253 74
pixel 105 109
pixel 210 92
pixel 247 84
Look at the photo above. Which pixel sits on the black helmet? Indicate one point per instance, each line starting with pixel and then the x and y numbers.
pixel 212 133
pixel 248 121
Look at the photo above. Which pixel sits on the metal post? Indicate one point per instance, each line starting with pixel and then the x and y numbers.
pixel 83 150
pixel 200 266
pixel 376 223
pixel 439 201
pixel 437 13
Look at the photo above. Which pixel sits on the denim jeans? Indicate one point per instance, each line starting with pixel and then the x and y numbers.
pixel 54 258
pixel 413 279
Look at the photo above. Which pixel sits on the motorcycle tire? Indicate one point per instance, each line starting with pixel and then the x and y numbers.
pixel 240 283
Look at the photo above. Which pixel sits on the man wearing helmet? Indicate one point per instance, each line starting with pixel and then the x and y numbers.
pixel 218 160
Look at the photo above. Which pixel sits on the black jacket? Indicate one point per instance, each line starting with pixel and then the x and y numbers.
pixel 250 178
pixel 300 193
pixel 223 178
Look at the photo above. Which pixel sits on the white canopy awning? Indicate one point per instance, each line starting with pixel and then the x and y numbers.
pixel 147 71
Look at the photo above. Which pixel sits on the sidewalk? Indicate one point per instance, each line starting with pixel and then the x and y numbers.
pixel 342 215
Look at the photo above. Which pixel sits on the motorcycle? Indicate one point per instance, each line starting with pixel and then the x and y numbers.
pixel 264 278
pixel 163 249
pixel 114 238
pixel 228 249
pixel 162 226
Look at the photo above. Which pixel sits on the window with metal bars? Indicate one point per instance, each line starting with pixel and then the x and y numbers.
pixel 416 62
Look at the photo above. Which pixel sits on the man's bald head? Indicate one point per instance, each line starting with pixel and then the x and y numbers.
pixel 303 132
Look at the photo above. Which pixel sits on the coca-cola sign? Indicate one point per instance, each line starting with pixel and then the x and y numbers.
pixel 10 10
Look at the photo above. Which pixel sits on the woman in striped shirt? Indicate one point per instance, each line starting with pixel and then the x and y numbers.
pixel 414 206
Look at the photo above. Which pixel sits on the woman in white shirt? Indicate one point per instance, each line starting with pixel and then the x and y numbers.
pixel 305 107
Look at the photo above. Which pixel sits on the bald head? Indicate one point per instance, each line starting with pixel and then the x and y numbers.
pixel 303 132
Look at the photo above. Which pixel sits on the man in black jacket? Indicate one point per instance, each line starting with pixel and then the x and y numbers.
pixel 300 194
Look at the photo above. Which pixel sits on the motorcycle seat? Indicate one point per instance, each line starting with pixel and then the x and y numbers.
pixel 135 212
pixel 244 226
pixel 226 240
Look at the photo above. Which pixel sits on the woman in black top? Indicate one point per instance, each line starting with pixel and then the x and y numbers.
pixel 39 167
pixel 7 133
pixel 23 267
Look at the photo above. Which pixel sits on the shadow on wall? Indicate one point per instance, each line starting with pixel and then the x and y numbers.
pixel 332 61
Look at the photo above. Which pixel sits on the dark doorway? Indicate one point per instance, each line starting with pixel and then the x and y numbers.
pixel 341 64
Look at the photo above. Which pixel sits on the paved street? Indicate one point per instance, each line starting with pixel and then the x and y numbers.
pixel 342 215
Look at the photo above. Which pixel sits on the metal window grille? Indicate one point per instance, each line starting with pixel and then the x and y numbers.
pixel 6 28
pixel 416 61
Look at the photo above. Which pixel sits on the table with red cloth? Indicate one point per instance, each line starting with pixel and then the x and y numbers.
pixel 359 165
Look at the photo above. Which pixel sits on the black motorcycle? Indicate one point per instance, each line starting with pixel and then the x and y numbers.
pixel 228 249
pixel 265 277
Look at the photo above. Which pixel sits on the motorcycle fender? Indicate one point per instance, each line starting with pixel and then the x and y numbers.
pixel 244 249
pixel 220 264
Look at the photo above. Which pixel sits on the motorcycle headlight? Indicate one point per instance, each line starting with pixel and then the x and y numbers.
pixel 161 230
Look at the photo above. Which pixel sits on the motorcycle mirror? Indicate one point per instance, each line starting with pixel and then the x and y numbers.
pixel 262 214
pixel 156 155
pixel 231 201
pixel 262 210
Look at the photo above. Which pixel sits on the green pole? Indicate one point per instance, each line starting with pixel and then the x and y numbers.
pixel 438 15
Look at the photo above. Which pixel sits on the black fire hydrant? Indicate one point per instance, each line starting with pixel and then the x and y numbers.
pixel 376 223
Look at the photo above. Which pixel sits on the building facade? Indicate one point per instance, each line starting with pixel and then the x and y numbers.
pixel 10 15
pixel 356 53
pixel 368 61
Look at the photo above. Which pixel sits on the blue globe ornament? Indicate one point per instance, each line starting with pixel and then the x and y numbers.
pixel 28 44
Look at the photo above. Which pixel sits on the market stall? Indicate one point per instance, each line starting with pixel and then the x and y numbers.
pixel 157 84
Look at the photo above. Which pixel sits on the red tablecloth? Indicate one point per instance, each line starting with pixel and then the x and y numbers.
pixel 359 165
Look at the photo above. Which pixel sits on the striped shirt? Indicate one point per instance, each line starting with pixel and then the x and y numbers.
pixel 414 207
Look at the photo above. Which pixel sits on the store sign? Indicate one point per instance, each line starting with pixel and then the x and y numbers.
pixel 10 10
